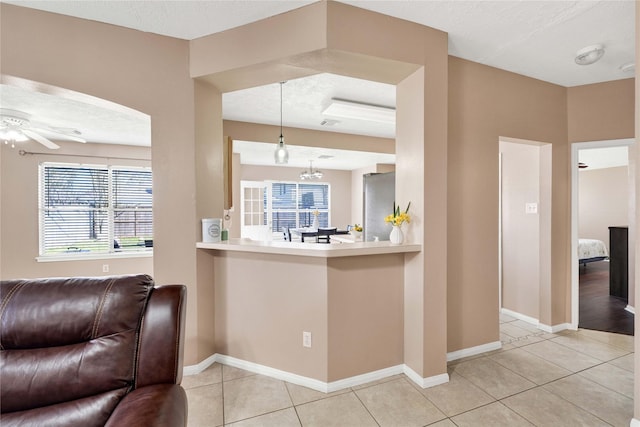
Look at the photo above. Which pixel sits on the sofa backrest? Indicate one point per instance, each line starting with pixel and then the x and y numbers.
pixel 70 345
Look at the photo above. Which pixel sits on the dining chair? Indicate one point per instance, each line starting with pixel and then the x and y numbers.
pixel 324 234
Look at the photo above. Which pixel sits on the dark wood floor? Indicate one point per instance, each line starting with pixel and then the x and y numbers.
pixel 598 309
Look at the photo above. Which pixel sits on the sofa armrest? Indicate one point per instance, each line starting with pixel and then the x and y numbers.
pixel 161 344
pixel 155 405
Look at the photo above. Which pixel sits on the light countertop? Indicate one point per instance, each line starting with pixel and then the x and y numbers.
pixel 320 250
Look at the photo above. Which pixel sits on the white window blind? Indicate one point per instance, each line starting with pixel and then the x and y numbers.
pixel 292 204
pixel 95 209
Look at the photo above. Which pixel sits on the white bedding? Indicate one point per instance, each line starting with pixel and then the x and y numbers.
pixel 591 248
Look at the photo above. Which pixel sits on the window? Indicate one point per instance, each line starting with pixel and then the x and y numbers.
pixel 284 205
pixel 86 209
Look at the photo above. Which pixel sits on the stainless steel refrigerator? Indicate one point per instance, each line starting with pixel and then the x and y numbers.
pixel 379 191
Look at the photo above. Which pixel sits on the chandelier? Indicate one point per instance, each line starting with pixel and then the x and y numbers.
pixel 311 174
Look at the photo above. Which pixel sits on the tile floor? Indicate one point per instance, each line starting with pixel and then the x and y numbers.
pixel 582 378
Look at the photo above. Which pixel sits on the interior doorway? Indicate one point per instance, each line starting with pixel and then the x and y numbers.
pixel 602 202
pixel 524 229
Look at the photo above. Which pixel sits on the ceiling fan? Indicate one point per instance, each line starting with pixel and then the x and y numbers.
pixel 16 126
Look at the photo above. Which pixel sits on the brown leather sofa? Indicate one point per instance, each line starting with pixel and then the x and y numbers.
pixel 91 352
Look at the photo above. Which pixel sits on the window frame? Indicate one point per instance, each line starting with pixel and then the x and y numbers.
pixel 298 211
pixel 110 211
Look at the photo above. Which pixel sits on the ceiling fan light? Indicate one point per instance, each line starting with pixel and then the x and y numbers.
pixel 13 135
pixel 589 54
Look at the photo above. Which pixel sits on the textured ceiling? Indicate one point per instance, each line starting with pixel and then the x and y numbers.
pixel 534 38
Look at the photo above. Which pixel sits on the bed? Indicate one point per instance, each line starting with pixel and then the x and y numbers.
pixel 591 250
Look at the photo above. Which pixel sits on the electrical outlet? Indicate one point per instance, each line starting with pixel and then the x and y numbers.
pixel 105 268
pixel 306 339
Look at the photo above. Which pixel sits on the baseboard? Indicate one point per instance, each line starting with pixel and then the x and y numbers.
pixel 634 422
pixel 535 322
pixel 364 378
pixel 273 373
pixel 473 351
pixel 200 367
pixel 425 382
pixel 555 328
pixel 311 382
pixel 630 309
pixel 531 320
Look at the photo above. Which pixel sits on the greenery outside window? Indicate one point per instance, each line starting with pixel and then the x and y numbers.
pixel 95 210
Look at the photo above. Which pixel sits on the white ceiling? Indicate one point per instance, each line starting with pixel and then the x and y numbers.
pixel 97 124
pixel 534 38
pixel 304 99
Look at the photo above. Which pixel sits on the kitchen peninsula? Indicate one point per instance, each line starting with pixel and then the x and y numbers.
pixel 347 297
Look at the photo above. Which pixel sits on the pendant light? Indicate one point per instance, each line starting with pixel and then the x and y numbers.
pixel 281 155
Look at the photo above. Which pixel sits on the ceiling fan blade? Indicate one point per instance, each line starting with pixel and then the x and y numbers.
pixel 41 139
pixel 62 134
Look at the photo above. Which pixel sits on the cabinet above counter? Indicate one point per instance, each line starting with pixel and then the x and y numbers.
pixel 320 250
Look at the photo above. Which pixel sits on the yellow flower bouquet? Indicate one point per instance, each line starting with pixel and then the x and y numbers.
pixel 398 217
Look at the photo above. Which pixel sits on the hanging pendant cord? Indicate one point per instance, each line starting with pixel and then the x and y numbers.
pixel 281 83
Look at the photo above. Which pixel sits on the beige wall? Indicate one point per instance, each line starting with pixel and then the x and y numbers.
pixel 365 314
pixel 255 323
pixel 601 111
pixel 352 307
pixel 485 104
pixel 19 227
pixel 244 131
pixel 603 201
pixel 349 41
pixel 142 71
pixel 209 180
pixel 450 119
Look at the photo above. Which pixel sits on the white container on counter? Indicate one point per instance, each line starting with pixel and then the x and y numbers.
pixel 211 228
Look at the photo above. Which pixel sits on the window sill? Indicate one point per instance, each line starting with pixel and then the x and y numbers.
pixel 91 257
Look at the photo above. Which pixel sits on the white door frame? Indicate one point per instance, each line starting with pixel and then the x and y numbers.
pixel 575 280
pixel 500 232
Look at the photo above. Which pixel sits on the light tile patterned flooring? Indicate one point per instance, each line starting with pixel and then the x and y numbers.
pixel 582 378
